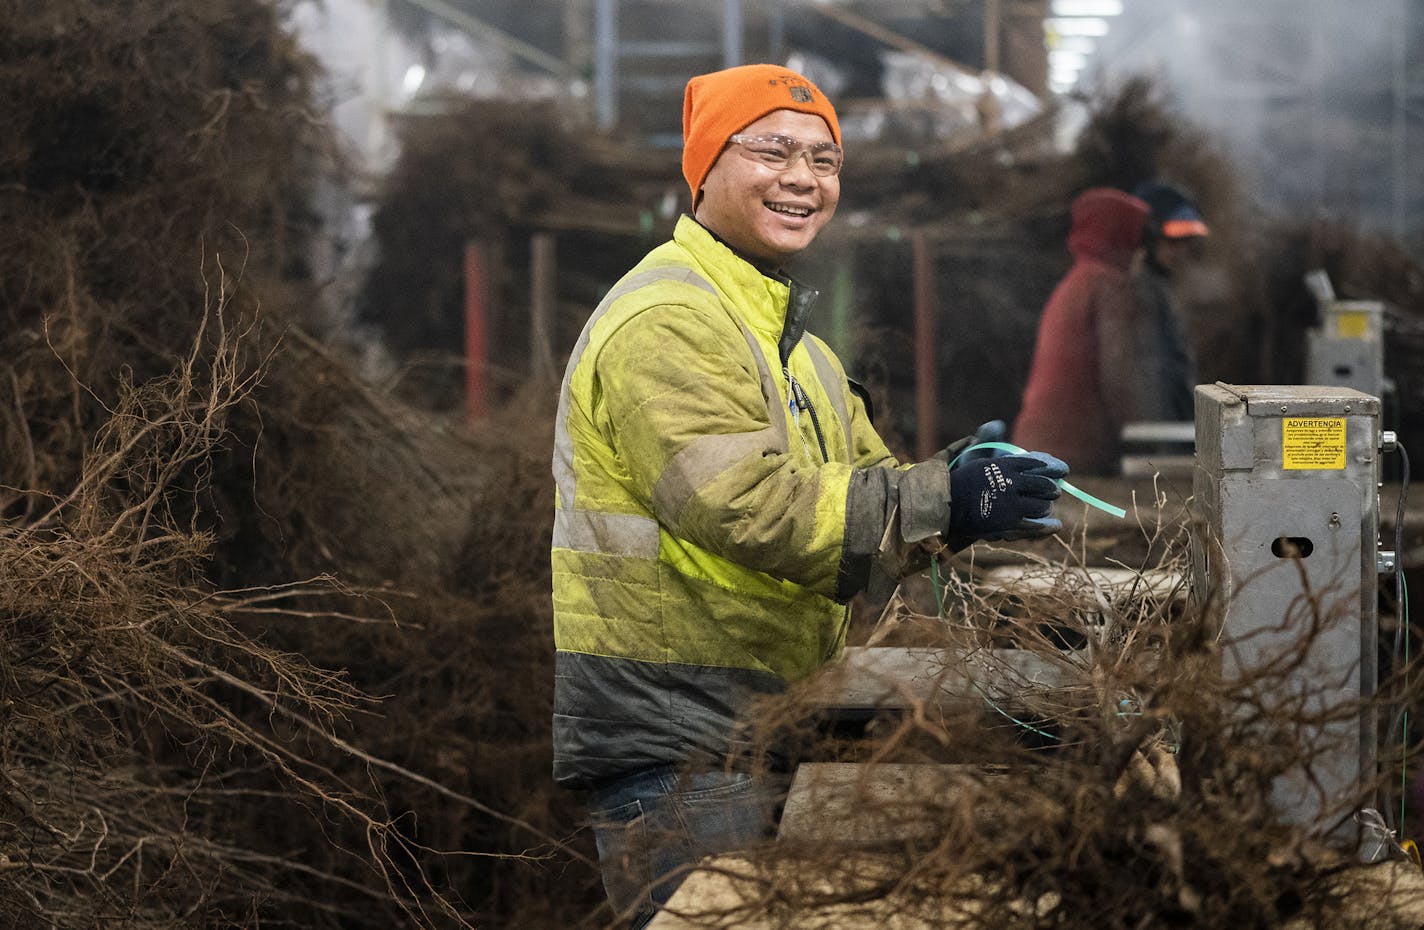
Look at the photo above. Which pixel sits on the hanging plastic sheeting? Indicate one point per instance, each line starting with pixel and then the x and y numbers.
pixel 930 101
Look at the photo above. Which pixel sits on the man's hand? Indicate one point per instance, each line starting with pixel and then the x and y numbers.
pixel 1004 497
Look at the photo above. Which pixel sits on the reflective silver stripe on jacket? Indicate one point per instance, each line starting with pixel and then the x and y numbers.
pixel 613 533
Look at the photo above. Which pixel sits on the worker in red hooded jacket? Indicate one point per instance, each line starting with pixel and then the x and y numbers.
pixel 1077 397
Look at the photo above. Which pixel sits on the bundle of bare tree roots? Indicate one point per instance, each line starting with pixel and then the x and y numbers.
pixel 1077 749
pixel 249 674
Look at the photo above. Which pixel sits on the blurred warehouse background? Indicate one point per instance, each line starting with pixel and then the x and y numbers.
pixel 1319 104
pixel 970 125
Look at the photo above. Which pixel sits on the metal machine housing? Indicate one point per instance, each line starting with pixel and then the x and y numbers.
pixel 1285 543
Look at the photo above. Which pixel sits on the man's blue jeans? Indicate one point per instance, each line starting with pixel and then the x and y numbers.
pixel 651 827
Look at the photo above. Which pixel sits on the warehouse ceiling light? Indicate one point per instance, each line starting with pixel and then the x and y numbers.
pixel 1063 60
pixel 414 77
pixel 1062 79
pixel 1076 26
pixel 1082 44
pixel 1070 35
pixel 1087 7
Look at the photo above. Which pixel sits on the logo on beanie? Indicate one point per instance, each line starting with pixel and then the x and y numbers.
pixel 800 93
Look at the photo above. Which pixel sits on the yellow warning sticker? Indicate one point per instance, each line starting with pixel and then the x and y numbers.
pixel 1352 324
pixel 1313 442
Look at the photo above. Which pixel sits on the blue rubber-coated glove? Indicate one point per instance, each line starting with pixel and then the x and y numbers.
pixel 1005 497
pixel 993 431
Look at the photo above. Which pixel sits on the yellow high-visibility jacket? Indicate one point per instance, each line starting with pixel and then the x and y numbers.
pixel 720 495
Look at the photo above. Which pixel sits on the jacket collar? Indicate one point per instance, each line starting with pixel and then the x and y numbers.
pixel 769 301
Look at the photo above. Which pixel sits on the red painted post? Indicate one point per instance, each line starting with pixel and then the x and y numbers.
pixel 926 388
pixel 476 348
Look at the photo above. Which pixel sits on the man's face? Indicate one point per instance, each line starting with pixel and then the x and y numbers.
pixel 1177 254
pixel 765 214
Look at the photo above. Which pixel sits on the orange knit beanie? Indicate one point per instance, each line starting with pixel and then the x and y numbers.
pixel 718 105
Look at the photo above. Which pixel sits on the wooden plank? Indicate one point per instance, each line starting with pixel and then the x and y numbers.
pixel 903 677
pixel 1099 582
pixel 848 802
pixel 1387 894
pixel 730 891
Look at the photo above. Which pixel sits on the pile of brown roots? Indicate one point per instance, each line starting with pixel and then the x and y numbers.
pixel 273 651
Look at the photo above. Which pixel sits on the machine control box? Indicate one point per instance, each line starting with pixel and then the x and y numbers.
pixel 1285 544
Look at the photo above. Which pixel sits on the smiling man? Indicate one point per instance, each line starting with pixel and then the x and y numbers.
pixel 721 495
pixel 773 200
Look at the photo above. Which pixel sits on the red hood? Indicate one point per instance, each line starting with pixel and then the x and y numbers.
pixel 1107 225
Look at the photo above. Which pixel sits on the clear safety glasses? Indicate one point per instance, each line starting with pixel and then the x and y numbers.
pixel 780 152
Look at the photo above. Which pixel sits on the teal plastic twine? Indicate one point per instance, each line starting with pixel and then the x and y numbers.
pixel 1079 493
pixel 1022 723
pixel 938 587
